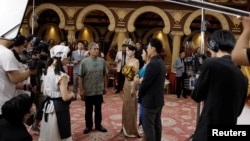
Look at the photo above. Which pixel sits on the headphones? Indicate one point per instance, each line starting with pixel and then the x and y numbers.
pixel 213 45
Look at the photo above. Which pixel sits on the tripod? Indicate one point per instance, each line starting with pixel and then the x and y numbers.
pixel 192 84
pixel 197 119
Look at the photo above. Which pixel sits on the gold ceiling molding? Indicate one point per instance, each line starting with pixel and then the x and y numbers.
pixel 236 22
pixel 71 11
pixel 84 12
pixel 121 12
pixel 177 16
pixel 144 9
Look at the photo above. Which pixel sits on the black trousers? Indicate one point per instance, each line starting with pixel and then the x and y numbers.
pixel 90 103
pixel 179 85
pixel 121 80
pixel 152 125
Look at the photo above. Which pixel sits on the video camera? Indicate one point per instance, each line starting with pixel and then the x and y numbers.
pixel 37 54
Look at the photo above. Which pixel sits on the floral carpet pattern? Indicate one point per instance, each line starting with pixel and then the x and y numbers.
pixel 178 119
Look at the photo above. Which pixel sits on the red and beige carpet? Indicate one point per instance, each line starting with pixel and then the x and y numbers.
pixel 178 119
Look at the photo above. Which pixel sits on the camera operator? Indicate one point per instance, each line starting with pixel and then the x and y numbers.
pixel 25 55
pixel 10 76
pixel 37 61
pixel 19 44
pixel 197 61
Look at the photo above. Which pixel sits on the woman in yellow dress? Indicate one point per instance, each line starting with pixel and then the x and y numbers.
pixel 129 109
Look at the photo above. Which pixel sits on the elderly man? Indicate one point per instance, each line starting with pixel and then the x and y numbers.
pixel 92 79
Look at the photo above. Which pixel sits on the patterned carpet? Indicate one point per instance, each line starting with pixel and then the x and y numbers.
pixel 178 119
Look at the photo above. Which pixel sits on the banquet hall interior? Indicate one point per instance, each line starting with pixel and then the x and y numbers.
pixel 110 22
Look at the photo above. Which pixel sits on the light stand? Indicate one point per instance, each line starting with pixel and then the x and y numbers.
pixel 203 30
pixel 33 17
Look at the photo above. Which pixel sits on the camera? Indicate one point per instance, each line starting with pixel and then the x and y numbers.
pixel 38 54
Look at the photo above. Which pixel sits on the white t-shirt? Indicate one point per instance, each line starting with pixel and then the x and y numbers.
pixel 22 68
pixel 8 62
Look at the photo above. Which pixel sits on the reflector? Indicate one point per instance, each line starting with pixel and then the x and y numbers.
pixel 11 15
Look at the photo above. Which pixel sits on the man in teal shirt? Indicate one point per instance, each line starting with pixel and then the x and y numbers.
pixel 92 80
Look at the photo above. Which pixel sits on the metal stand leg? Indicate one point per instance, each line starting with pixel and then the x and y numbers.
pixel 197 119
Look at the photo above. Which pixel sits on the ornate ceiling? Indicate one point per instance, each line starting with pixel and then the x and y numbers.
pixel 146 20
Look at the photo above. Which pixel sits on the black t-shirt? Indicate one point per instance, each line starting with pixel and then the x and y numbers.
pixel 11 132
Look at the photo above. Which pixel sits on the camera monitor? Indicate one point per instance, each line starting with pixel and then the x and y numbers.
pixel 11 15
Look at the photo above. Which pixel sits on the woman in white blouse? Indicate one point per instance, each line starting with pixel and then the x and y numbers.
pixel 55 124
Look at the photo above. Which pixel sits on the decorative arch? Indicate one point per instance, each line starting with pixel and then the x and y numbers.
pixel 96 35
pixel 84 12
pixel 190 35
pixel 46 6
pixel 220 17
pixel 46 26
pixel 144 9
pixel 108 36
pixel 147 35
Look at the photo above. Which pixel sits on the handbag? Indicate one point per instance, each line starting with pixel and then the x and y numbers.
pixel 129 72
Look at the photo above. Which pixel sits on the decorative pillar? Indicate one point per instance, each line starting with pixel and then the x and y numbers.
pixel 176 46
pixel 121 34
pixel 71 33
pixel 71 36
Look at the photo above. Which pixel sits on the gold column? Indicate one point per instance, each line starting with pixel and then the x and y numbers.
pixel 71 36
pixel 121 34
pixel 176 46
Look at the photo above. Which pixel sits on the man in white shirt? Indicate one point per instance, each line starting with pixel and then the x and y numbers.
pixel 120 59
pixel 9 73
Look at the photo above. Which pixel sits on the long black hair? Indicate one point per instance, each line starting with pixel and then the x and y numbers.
pixel 58 66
